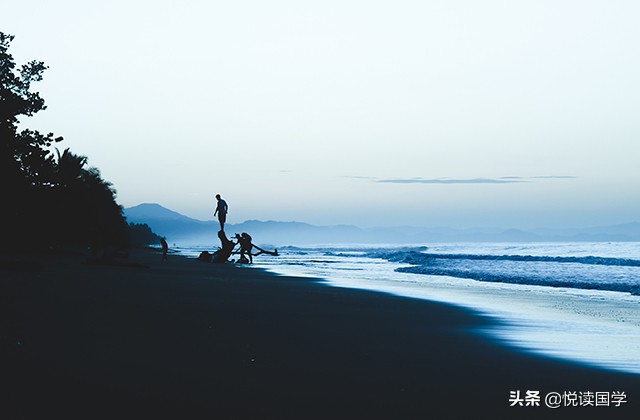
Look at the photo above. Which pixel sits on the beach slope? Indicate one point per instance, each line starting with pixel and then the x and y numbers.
pixel 149 338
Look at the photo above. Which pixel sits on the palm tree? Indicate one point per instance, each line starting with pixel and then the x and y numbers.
pixel 69 167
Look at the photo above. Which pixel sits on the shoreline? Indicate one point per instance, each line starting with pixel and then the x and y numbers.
pixel 232 342
pixel 595 327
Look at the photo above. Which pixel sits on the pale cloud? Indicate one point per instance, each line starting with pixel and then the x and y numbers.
pixel 480 180
pixel 449 181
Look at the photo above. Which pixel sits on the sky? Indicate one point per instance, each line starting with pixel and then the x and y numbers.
pixel 458 113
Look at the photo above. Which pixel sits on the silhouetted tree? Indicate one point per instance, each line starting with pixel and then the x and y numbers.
pixel 85 205
pixel 141 235
pixel 25 163
pixel 50 199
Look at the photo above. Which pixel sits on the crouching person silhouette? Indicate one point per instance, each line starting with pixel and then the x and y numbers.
pixel 245 247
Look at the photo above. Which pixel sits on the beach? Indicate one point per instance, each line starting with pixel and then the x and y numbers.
pixel 146 338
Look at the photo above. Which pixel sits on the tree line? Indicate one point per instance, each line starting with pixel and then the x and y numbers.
pixel 52 198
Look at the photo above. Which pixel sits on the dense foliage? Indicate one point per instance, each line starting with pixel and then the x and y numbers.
pixel 50 198
pixel 141 235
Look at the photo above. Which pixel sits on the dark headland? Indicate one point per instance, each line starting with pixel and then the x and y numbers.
pixel 181 339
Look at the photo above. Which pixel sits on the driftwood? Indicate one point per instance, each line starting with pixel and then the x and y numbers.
pixel 263 251
pixel 223 254
pixel 205 256
pixel 227 249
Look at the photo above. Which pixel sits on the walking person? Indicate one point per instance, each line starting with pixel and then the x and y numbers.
pixel 165 248
pixel 221 210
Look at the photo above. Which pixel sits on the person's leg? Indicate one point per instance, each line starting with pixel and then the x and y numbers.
pixel 222 217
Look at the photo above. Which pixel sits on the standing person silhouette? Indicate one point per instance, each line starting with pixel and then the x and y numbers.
pixel 221 210
pixel 165 248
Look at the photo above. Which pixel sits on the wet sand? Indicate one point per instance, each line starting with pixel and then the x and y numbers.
pixel 184 339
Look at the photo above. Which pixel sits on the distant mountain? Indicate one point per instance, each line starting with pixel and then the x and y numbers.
pixel 627 232
pixel 184 230
pixel 176 227
pixel 155 212
pixel 289 233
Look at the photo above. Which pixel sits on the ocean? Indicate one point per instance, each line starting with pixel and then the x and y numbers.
pixel 575 301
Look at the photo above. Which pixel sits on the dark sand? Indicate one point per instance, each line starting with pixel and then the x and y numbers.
pixel 183 339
